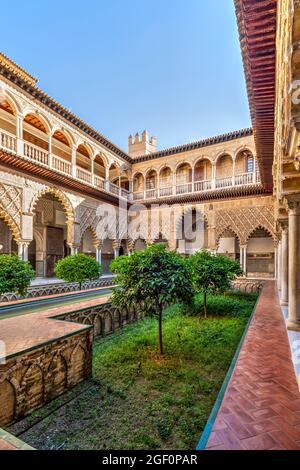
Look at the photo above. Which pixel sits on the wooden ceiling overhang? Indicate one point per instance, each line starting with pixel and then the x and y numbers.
pixel 12 161
pixel 257 29
pixel 210 196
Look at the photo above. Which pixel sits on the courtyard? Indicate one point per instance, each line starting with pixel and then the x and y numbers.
pixel 139 400
pixel 149 283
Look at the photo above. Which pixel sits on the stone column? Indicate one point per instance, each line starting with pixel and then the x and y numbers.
pixel 244 259
pixel 19 132
pixel 74 249
pixel 74 161
pixel 284 268
pixel 20 249
pixel 279 265
pixel 241 257
pixel 25 251
pixel 99 254
pixel 233 173
pixel 106 183
pixel 116 246
pixel 213 175
pixel 294 263
pixel 276 262
pixel 50 161
pixel 93 171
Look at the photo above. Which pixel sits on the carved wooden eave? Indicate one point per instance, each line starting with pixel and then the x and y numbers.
pixel 287 135
pixel 11 161
pixel 257 29
pixel 19 77
pixel 238 134
pixel 210 196
pixel 16 69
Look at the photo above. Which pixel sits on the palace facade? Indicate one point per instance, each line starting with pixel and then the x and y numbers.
pixel 56 171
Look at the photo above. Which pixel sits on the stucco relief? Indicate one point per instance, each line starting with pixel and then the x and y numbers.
pixel 243 221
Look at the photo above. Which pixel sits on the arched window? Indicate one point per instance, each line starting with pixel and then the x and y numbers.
pixel 260 254
pixel 138 186
pixel 184 178
pixel 36 140
pixel 224 171
pixel 83 164
pixel 62 153
pixel 8 126
pixel 151 180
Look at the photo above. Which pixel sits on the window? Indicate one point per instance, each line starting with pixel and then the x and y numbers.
pixel 249 164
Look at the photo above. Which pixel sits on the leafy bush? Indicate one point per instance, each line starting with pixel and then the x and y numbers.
pixel 15 274
pixel 212 273
pixel 228 304
pixel 78 268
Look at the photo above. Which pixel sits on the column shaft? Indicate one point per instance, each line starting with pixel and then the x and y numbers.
pixel 284 267
pixel 294 268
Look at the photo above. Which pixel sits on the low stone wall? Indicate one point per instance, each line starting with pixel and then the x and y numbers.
pixel 104 318
pixel 31 379
pixel 57 288
pixel 248 285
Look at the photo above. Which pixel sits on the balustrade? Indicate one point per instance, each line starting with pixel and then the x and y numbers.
pixel 35 153
pixel 84 175
pixel 61 165
pixel 8 141
pixel 39 155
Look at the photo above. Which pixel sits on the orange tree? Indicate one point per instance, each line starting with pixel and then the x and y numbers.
pixel 155 277
pixel 78 268
pixel 212 273
pixel 15 274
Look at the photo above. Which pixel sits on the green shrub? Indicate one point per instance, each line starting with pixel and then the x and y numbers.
pixel 15 274
pixel 155 277
pixel 78 268
pixel 228 304
pixel 212 274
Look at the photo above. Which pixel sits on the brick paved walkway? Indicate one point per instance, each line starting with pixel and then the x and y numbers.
pixel 24 332
pixel 261 406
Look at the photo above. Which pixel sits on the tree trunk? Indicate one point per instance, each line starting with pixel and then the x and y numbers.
pixel 160 331
pixel 80 285
pixel 205 304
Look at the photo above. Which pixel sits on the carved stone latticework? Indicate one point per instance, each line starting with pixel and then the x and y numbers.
pixel 11 204
pixel 244 221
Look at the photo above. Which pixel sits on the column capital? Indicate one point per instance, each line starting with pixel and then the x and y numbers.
pixel 283 224
pixel 292 203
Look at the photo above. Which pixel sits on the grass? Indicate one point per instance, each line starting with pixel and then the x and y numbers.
pixel 139 400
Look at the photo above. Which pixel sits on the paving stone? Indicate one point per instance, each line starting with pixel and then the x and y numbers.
pixel 261 406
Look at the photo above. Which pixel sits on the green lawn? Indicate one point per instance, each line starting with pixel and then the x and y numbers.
pixel 139 400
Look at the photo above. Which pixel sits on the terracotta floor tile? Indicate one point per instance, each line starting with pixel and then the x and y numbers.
pixel 261 405
pixel 261 442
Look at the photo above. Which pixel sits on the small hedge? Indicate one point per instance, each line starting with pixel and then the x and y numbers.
pixel 229 304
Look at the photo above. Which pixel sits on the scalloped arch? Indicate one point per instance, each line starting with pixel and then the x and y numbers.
pixel 229 229
pixel 262 227
pixel 62 198
pixel 7 218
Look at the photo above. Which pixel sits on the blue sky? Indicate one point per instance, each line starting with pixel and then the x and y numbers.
pixel 171 66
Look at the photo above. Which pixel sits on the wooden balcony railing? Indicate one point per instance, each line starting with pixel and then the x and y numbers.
pixel 41 156
pixel 99 182
pixel 184 188
pixel 36 154
pixel 245 178
pixel 202 185
pixel 224 182
pixel 8 141
pixel 84 175
pixel 61 165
